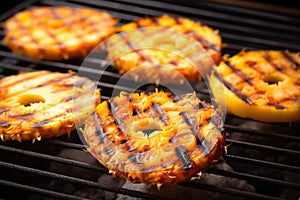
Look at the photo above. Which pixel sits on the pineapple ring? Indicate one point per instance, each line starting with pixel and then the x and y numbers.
pixel 157 60
pixel 57 33
pixel 157 138
pixel 39 105
pixel 262 85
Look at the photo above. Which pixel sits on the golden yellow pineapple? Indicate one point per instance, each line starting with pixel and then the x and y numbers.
pixel 153 41
pixel 155 138
pixel 57 32
pixel 263 85
pixel 38 105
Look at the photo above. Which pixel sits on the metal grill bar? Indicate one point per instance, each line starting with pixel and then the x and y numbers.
pixel 104 170
pixel 228 191
pixel 80 181
pixel 16 9
pixel 230 127
pixel 223 16
pixel 53 158
pixel 236 10
pixel 264 147
pixel 41 191
pixel 141 11
pixel 255 178
pixel 263 163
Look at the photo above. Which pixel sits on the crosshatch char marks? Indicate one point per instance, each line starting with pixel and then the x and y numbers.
pixel 57 33
pixel 155 138
pixel 263 85
pixel 152 43
pixel 40 105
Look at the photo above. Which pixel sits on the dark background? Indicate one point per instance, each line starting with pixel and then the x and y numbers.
pixel 282 6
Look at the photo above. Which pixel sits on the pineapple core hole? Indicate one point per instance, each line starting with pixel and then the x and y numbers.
pixel 28 99
pixel 272 79
pixel 149 128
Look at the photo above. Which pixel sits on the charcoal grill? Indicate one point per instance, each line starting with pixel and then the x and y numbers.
pixel 264 155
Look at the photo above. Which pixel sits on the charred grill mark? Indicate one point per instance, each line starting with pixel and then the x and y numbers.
pixel 205 146
pixel 25 116
pixel 268 58
pixel 239 73
pixel 155 21
pixel 173 63
pixel 250 63
pixel 119 123
pixel 160 111
pixel 203 41
pixel 233 89
pixel 41 124
pixel 187 118
pixel 195 130
pixel 202 143
pixel 276 105
pixel 4 124
pixel 47 82
pixel 61 85
pixel 51 35
pixel 109 151
pixel 136 159
pixel 148 170
pixel 279 68
pixel 34 41
pixel 23 80
pixel 261 92
pixel 132 47
pixel 3 110
pixel 291 59
pixel 216 120
pixel 203 104
pixel 140 26
pixel 60 44
pixel 279 107
pixel 101 135
pixel 183 157
pixel 69 98
pixel 157 108
pixel 164 119
pixel 80 83
pixel 112 106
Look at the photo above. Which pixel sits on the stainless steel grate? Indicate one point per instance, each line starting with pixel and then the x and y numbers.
pixel 264 155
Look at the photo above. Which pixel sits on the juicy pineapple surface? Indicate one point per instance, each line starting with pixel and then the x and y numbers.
pixel 155 138
pixel 152 49
pixel 38 105
pixel 57 32
pixel 263 85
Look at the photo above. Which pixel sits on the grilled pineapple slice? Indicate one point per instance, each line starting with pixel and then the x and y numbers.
pixel 152 49
pixel 57 33
pixel 263 85
pixel 155 138
pixel 39 105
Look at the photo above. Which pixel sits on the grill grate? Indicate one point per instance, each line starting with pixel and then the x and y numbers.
pixel 264 155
